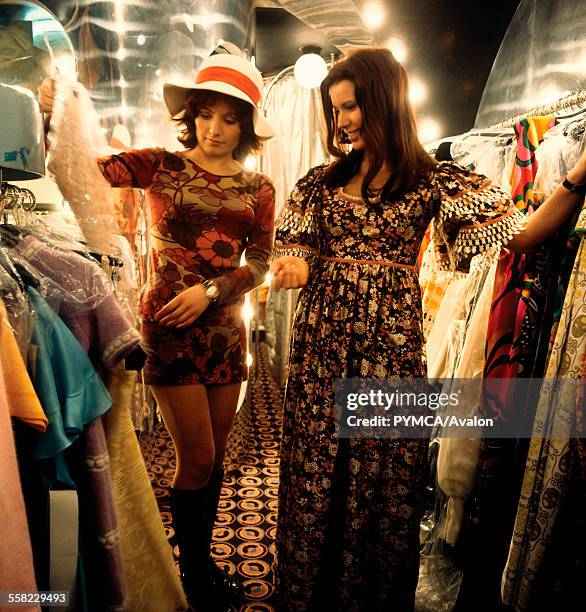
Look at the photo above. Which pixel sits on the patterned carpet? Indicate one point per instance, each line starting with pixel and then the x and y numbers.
pixel 244 534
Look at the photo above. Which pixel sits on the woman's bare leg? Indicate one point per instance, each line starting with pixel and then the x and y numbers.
pixel 186 413
pixel 223 403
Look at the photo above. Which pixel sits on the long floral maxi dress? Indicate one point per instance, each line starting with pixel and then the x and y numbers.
pixel 349 510
pixel 201 223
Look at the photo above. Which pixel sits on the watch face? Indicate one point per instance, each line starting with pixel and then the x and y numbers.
pixel 212 291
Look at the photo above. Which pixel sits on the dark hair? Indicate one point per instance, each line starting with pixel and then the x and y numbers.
pixel 199 99
pixel 388 123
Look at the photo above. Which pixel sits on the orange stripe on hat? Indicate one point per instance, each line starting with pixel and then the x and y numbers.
pixel 230 77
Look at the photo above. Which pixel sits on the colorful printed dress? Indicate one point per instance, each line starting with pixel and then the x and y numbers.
pixel 201 223
pixel 349 510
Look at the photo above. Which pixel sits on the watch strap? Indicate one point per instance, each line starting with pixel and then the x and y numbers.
pixel 579 189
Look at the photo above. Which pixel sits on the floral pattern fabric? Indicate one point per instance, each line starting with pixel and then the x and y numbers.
pixel 349 510
pixel 553 457
pixel 201 223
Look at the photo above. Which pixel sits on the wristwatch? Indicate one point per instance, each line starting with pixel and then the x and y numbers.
pixel 579 189
pixel 212 291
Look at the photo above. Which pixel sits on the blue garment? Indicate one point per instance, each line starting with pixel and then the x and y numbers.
pixel 69 388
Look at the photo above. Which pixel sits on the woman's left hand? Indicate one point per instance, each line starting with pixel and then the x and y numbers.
pixel 184 309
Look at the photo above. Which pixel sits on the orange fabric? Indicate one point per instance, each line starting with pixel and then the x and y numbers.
pixel 231 77
pixel 21 398
pixel 16 557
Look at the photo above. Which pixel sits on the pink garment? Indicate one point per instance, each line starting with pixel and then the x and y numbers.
pixel 16 556
pixel 96 318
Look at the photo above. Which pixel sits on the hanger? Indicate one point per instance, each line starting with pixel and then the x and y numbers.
pixel 506 137
pixel 8 268
pixel 27 277
pixel 21 204
pixel 18 200
pixel 576 125
pixel 574 114
pixel 488 134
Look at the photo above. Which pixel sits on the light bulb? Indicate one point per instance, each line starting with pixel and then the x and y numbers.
pixel 373 16
pixel 398 48
pixel 417 90
pixel 428 130
pixel 310 70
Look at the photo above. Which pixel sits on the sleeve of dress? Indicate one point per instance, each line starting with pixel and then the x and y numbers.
pixel 473 215
pixel 297 231
pixel 258 248
pixel 130 169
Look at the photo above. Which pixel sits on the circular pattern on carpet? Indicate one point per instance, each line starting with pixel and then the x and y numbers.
pixel 244 533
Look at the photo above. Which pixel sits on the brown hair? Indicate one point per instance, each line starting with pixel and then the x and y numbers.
pixel 388 123
pixel 199 99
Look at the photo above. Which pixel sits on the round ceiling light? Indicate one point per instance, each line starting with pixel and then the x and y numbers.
pixel 310 69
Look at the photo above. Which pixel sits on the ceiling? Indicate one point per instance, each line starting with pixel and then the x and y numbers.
pixel 451 47
pixel 279 37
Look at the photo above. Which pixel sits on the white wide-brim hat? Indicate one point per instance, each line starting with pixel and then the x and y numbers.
pixel 228 74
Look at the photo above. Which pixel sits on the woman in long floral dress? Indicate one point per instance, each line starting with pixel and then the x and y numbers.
pixel 349 509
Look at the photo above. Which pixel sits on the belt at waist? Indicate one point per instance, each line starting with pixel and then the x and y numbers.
pixel 368 262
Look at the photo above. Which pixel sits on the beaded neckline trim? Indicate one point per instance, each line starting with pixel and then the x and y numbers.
pixel 355 198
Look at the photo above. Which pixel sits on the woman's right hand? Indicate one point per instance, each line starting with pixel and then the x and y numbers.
pixel 46 93
pixel 289 273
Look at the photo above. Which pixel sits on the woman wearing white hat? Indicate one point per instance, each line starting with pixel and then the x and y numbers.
pixel 206 209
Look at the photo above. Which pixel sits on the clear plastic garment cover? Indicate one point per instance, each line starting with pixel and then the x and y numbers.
pixel 541 59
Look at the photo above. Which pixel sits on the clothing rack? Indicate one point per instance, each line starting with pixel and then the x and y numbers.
pixel 577 97
pixel 16 199
pixel 273 82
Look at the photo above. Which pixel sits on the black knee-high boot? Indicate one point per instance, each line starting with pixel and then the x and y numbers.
pixel 188 510
pixel 189 522
pixel 232 587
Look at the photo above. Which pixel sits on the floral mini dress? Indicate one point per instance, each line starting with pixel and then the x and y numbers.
pixel 201 223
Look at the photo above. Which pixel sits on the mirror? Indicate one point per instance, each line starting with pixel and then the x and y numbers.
pixel 32 44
